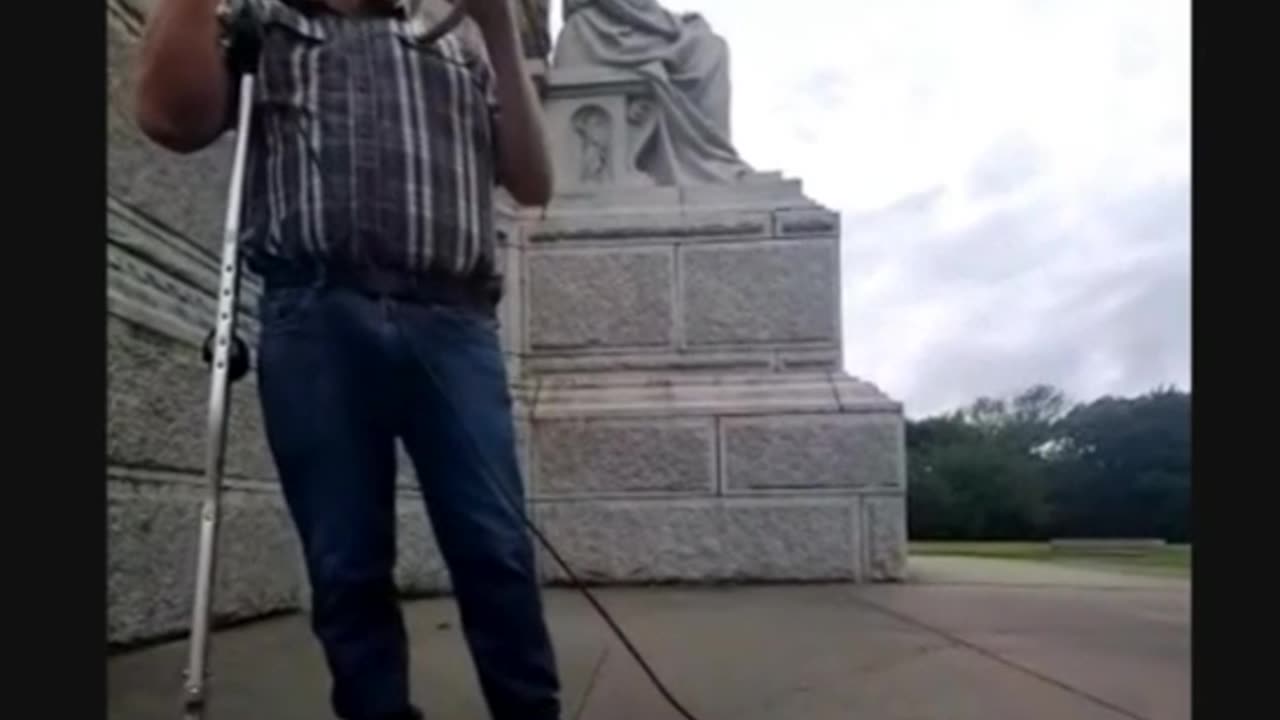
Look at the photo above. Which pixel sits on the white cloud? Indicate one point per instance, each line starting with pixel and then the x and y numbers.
pixel 1014 177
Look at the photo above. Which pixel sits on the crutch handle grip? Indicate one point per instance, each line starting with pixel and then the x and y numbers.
pixel 242 36
pixel 237 357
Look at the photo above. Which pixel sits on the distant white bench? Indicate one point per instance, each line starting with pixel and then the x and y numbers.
pixel 1100 546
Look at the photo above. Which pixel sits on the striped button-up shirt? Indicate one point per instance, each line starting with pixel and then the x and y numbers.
pixel 370 148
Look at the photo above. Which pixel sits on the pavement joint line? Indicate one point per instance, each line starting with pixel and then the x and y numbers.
pixel 591 682
pixel 876 668
pixel 960 641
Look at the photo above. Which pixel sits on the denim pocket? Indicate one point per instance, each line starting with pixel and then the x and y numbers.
pixel 285 309
pixel 467 318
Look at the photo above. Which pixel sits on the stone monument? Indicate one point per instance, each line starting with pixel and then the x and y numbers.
pixel 673 322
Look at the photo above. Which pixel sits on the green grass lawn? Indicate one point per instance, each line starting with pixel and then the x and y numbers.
pixel 1167 560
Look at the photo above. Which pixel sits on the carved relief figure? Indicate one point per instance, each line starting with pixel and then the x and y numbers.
pixel 594 127
pixel 687 66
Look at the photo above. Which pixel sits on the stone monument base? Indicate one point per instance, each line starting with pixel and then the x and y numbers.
pixel 650 478
pixel 684 413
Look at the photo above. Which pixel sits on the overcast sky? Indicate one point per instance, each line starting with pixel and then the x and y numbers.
pixel 1013 176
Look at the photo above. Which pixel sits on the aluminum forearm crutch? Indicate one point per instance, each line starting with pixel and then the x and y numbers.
pixel 223 349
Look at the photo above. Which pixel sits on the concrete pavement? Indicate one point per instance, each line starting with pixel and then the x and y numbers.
pixel 966 639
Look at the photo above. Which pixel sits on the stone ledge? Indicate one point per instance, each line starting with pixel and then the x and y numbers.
pixel 585 203
pixel 815 493
pixel 579 81
pixel 661 225
pixel 607 216
pixel 758 360
pixel 806 223
pixel 640 357
pixel 560 397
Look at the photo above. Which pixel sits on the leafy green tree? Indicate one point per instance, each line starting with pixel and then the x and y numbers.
pixel 1033 465
pixel 1126 470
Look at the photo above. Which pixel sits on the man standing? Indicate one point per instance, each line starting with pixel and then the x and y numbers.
pixel 369 216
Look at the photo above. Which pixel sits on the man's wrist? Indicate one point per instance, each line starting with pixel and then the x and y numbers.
pixel 497 15
pixel 499 31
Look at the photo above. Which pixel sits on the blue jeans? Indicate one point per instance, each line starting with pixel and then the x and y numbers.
pixel 341 376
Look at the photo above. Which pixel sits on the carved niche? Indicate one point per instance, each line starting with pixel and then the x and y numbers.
pixel 594 129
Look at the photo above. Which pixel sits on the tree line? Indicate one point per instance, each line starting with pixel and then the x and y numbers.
pixel 1036 466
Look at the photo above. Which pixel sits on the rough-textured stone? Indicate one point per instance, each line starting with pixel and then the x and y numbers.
pixel 157 406
pixel 613 218
pixel 812 451
pixel 152 541
pixel 185 192
pixel 703 540
pixel 589 199
pixel 589 299
pixel 660 454
pixel 886 537
pixel 419 565
pixel 765 293
pixel 631 362
pixel 161 278
pixel 779 193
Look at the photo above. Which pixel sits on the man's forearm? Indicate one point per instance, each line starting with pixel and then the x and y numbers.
pixel 525 165
pixel 183 84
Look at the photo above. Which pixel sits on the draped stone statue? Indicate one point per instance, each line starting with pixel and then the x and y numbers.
pixel 687 139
